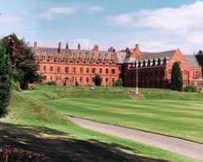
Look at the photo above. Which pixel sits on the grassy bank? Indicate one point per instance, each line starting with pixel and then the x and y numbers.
pixel 173 113
pixel 37 120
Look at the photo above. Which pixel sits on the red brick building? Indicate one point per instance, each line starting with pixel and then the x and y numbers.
pixel 154 69
pixel 68 66
pixel 76 66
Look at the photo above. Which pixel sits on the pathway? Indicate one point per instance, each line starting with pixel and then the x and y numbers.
pixel 180 146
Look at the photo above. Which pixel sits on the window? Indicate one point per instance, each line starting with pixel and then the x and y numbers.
pixel 44 68
pixel 74 69
pixel 107 79
pixel 51 68
pixel 196 74
pixel 66 69
pixel 87 80
pixel 58 69
pixel 81 70
pixel 87 70
pixel 107 71
pixel 113 80
pixel 80 79
pixel 113 71
pixel 51 78
pixel 100 70
pixel 93 70
pixel 45 77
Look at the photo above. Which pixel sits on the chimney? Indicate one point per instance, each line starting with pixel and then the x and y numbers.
pixel 96 47
pixel 67 47
pixel 137 46
pixel 79 46
pixel 35 44
pixel 136 53
pixel 59 47
pixel 111 49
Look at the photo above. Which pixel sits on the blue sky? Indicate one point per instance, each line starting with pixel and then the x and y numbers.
pixel 155 24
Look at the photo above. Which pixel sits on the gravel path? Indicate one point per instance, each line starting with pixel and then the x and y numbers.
pixel 180 146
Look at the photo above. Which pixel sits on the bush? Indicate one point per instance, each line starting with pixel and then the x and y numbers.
pixel 118 83
pixel 51 83
pixel 97 80
pixel 190 88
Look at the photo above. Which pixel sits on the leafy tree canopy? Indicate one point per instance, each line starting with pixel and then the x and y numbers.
pixel 24 65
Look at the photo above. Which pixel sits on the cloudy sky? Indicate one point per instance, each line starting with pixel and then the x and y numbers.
pixel 155 24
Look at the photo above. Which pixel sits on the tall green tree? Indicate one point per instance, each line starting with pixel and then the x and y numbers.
pixel 23 62
pixel 5 80
pixel 176 77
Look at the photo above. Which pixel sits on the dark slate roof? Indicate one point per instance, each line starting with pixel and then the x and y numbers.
pixel 121 55
pixel 156 55
pixel 76 53
pixel 191 60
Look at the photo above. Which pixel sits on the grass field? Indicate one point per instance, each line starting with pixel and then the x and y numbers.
pixel 162 111
pixel 37 120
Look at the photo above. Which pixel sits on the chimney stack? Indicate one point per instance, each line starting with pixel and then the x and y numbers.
pixel 79 46
pixel 67 47
pixel 35 44
pixel 137 46
pixel 96 47
pixel 59 47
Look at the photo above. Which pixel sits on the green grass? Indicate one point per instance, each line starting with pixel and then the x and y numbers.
pixel 162 111
pixel 47 106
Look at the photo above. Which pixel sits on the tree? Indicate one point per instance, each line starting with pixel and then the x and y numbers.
pixel 97 80
pixel 5 80
pixel 176 77
pixel 23 63
pixel 118 83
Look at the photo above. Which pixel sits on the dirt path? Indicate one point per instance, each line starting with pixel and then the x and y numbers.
pixel 180 146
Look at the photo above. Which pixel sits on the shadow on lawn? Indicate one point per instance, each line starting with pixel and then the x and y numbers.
pixel 59 147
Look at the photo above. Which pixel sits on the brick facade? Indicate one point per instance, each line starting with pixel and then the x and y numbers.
pixel 70 66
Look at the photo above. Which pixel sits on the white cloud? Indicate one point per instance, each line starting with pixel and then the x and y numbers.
pixel 55 11
pixel 182 18
pixel 180 27
pixel 10 19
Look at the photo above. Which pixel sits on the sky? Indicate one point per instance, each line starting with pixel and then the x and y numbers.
pixel 156 25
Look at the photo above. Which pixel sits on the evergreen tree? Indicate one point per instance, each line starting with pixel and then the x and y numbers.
pixel 176 77
pixel 5 79
pixel 97 80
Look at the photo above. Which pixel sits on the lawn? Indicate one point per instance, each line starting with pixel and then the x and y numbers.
pixel 162 111
pixel 37 121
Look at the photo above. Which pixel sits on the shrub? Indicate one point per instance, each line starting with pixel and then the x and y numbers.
pixel 51 83
pixel 97 80
pixel 190 88
pixel 118 83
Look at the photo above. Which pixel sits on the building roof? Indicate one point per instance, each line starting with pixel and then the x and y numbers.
pixel 156 55
pixel 76 54
pixel 191 60
pixel 121 55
